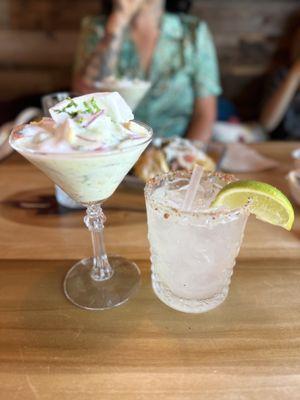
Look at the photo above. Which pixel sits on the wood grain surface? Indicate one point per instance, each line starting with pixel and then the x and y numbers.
pixel 248 348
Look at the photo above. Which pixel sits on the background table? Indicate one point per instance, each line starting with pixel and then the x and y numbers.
pixel 248 348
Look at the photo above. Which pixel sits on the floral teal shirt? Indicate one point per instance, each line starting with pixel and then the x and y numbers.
pixel 184 67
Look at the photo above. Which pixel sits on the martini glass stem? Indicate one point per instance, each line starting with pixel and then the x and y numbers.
pixel 94 220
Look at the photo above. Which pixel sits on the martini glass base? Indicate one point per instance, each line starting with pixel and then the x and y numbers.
pixel 90 294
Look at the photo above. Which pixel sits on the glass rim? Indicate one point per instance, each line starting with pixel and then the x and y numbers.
pixel 104 84
pixel 53 94
pixel 92 153
pixel 153 183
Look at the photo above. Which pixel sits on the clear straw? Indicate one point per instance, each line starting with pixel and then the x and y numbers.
pixel 192 188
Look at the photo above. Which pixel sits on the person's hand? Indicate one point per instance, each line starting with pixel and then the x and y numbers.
pixel 127 8
pixel 124 11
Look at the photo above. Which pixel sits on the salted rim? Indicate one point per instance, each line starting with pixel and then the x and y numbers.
pixel 13 142
pixel 212 212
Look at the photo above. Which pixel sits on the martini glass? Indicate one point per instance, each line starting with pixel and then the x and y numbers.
pixel 99 282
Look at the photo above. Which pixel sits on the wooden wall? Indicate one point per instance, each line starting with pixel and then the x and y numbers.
pixel 38 39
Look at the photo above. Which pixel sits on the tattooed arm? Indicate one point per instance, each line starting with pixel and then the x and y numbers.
pixel 103 61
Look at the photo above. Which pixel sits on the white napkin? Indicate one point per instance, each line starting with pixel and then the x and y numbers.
pixel 241 158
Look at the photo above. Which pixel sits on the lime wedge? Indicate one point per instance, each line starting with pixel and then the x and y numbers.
pixel 265 201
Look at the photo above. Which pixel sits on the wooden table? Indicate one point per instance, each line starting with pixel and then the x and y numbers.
pixel 248 348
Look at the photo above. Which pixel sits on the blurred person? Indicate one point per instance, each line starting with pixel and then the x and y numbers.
pixel 280 116
pixel 175 52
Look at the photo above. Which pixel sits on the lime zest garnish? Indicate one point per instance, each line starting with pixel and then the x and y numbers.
pixel 265 201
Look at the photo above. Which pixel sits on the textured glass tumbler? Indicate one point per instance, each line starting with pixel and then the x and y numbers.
pixel 192 253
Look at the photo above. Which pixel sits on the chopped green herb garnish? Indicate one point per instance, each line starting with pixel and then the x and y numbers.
pixel 73 114
pixel 91 107
pixel 72 102
pixel 88 108
pixel 65 108
pixel 94 104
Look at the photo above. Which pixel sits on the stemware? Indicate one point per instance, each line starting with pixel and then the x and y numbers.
pixel 101 281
